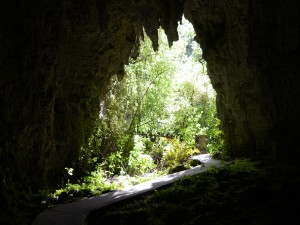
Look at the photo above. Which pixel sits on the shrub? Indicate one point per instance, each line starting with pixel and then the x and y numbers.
pixel 176 153
pixel 139 162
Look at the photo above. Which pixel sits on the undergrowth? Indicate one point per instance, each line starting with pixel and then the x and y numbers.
pixel 243 192
pixel 97 183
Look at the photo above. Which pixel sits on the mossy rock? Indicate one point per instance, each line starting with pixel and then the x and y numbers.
pixel 177 168
pixel 194 162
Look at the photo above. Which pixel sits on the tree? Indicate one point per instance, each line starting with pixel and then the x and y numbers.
pixel 163 92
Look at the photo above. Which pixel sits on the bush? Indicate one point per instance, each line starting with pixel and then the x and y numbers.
pixel 139 162
pixel 177 153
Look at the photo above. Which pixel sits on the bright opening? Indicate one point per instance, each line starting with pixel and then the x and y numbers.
pixel 153 120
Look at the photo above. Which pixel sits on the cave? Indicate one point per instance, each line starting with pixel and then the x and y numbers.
pixel 57 58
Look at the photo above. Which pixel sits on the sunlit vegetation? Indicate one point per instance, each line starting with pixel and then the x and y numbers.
pixel 244 192
pixel 150 122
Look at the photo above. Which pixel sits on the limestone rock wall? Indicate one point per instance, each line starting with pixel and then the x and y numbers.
pixel 252 51
pixel 56 59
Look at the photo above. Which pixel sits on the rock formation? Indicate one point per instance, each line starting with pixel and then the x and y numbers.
pixel 57 57
pixel 252 51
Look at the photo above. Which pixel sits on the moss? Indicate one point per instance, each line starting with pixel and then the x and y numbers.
pixel 244 192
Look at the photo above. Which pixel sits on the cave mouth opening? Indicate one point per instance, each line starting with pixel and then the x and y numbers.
pixel 150 122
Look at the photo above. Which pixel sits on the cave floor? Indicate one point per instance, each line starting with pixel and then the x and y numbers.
pixel 241 192
pixel 244 192
pixel 75 213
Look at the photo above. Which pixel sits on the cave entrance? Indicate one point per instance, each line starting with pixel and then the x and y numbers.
pixel 161 112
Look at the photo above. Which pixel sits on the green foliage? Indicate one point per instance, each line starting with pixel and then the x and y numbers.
pixel 147 122
pixel 177 152
pixel 157 151
pixel 216 142
pixel 241 192
pixel 150 119
pixel 115 162
pixel 247 166
pixel 139 162
pixel 214 134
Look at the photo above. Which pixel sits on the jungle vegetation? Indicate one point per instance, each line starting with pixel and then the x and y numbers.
pixel 151 121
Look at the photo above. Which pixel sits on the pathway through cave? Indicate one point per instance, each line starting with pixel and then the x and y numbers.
pixel 76 213
pixel 166 101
